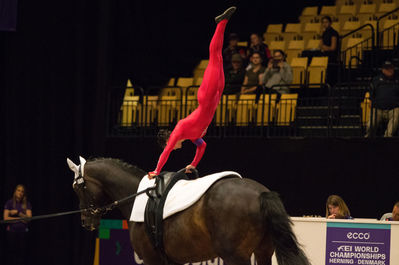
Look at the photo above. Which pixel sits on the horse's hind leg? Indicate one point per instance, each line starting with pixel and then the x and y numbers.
pixel 236 260
pixel 264 252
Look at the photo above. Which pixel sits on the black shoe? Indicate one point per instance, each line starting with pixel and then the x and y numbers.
pixel 226 15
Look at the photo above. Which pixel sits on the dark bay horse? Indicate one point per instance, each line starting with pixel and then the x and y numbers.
pixel 233 219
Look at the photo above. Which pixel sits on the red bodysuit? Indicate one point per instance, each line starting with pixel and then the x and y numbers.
pixel 194 126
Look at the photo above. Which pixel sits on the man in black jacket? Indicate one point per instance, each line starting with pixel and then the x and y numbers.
pixel 385 101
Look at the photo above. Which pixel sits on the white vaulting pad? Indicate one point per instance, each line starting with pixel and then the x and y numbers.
pixel 183 194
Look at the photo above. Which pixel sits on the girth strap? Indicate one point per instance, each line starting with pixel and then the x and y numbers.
pixel 153 217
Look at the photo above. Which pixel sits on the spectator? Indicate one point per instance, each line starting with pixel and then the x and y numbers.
pixel 385 101
pixel 336 208
pixel 235 76
pixel 16 233
pixel 278 72
pixel 329 43
pixel 232 49
pixel 252 75
pixel 394 216
pixel 258 46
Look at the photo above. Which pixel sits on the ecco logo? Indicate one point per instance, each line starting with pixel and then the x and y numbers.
pixel 356 235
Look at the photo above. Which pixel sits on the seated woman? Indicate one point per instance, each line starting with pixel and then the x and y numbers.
pixel 336 208
pixel 252 75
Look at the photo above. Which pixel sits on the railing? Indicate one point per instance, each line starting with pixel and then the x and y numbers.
pixel 389 37
pixel 378 24
pixel 386 39
pixel 267 114
pixel 357 49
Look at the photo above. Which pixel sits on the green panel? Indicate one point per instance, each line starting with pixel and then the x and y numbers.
pixel 111 224
pixel 103 233
pixel 359 225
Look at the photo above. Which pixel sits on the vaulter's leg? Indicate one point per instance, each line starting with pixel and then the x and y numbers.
pixel 213 80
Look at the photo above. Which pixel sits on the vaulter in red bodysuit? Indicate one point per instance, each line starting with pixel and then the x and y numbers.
pixel 194 126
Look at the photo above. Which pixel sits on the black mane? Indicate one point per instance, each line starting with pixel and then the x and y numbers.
pixel 134 170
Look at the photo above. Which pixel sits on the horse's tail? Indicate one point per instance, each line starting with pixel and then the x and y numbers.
pixel 279 226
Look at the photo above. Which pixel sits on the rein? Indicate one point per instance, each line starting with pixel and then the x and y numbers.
pixel 99 210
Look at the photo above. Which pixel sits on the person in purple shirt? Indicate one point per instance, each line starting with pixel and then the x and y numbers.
pixel 16 232
pixel 336 208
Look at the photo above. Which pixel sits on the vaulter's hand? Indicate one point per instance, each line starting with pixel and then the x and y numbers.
pixel 152 174
pixel 188 168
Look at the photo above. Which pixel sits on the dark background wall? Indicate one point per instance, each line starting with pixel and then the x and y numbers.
pixel 66 56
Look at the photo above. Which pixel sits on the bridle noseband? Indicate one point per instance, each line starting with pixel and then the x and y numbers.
pixel 88 198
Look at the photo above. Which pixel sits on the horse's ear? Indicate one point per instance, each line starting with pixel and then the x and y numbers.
pixel 82 161
pixel 72 166
pixel 82 164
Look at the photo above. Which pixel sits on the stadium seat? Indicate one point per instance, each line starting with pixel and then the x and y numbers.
pixel 389 33
pixel 366 11
pixel 198 81
pixel 242 44
pixel 299 66
pixel 366 32
pixel 385 8
pixel 349 26
pixel 150 115
pixel 330 11
pixel 340 3
pixel 346 12
pixel 226 110
pixel 352 48
pixel 185 82
pixel 190 105
pixel 312 44
pixel 171 91
pixel 130 111
pixel 292 30
pixel 317 70
pixel 337 26
pixel 273 33
pixel 198 72
pixel 319 61
pixel 202 64
pixel 274 28
pixel 246 110
pixel 390 23
pixel 129 92
pixel 266 108
pixel 308 13
pixel 295 48
pixel 169 110
pixel 286 109
pixel 172 82
pixel 311 31
pixel 277 45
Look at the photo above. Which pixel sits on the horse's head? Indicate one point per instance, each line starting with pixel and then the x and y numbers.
pixel 90 193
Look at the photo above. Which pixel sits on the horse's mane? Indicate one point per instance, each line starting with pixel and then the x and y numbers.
pixel 134 170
